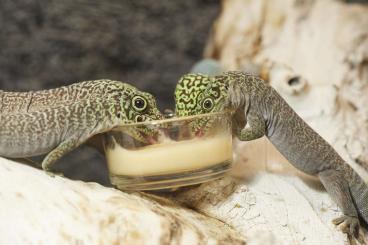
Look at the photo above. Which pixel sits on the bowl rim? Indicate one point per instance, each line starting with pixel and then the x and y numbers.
pixel 174 119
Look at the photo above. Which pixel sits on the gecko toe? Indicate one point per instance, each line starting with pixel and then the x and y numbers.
pixel 338 220
pixel 49 173
pixel 354 228
pixel 349 224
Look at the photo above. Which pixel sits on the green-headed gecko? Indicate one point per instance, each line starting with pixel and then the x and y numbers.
pixel 259 110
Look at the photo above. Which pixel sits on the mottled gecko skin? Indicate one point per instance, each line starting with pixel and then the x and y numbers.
pixel 37 100
pixel 81 111
pixel 259 110
pixel 66 95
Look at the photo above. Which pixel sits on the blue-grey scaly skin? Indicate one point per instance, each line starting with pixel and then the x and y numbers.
pixel 259 110
pixel 59 120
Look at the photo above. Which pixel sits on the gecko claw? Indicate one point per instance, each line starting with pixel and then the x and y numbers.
pixel 350 225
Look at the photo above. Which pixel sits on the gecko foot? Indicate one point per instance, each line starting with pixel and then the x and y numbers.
pixel 350 225
pixel 360 239
pixel 53 174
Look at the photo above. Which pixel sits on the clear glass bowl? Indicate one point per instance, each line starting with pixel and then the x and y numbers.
pixel 180 151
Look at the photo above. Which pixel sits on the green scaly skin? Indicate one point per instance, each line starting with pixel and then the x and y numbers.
pixel 259 110
pixel 59 120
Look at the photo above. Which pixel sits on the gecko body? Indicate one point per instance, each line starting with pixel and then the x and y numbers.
pixel 66 95
pixel 259 110
pixel 57 121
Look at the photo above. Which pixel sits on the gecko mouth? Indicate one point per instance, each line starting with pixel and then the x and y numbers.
pixel 203 128
pixel 199 133
pixel 151 138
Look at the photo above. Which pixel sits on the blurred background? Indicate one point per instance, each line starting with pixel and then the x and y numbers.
pixel 148 43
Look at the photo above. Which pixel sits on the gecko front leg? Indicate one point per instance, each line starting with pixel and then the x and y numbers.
pixel 255 128
pixel 62 149
pixel 337 186
pixel 247 123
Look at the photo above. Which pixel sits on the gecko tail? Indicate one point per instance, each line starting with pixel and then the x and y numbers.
pixel 359 192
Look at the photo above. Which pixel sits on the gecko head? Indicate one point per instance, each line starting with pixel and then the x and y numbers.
pixel 197 94
pixel 138 107
pixel 187 93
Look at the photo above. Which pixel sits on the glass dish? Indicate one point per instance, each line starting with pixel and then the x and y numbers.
pixel 180 151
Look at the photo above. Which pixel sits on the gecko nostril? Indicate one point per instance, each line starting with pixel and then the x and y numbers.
pixel 293 81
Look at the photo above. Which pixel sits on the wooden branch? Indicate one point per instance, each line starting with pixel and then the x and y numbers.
pixel 38 209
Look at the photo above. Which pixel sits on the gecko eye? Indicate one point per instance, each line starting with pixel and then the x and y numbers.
pixel 139 103
pixel 208 104
pixel 139 118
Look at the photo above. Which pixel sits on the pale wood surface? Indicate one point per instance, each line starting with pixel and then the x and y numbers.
pixel 38 209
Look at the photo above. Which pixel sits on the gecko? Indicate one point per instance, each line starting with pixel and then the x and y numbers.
pixel 57 121
pixel 36 100
pixel 258 110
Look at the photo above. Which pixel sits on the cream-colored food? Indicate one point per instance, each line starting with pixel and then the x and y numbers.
pixel 170 157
